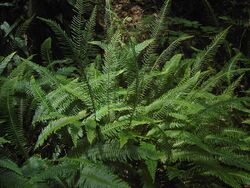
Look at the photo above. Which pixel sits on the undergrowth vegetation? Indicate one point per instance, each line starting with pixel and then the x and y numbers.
pixel 120 112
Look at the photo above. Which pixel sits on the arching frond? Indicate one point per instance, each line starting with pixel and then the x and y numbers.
pixel 208 54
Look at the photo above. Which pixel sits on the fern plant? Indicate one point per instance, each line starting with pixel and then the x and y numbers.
pixel 129 113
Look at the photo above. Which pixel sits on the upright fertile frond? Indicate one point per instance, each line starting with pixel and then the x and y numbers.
pixel 63 39
pixel 208 54
pixel 131 64
pixel 150 54
pixel 108 17
pixel 159 21
pixel 88 35
pixel 111 53
pixel 77 26
pixel 111 64
pixel 81 38
pixel 90 25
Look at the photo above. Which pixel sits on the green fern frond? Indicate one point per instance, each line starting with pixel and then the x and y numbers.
pixel 141 46
pixel 94 174
pixel 231 88
pixel 58 124
pixel 131 111
pixel 39 117
pixel 79 91
pixel 46 51
pixel 40 95
pixel 108 18
pixel 167 53
pixel 232 159
pixel 64 102
pixel 5 62
pixel 89 27
pixel 111 108
pixel 208 54
pixel 113 152
pixel 234 132
pixel 97 176
pixel 228 178
pixel 77 25
pixel 232 65
pixel 10 165
pixel 14 130
pixel 62 170
pixel 150 54
pixel 43 71
pixel 112 130
pixel 179 91
pixel 159 21
pixel 242 177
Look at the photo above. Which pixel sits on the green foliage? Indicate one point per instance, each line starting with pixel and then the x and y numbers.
pixel 126 113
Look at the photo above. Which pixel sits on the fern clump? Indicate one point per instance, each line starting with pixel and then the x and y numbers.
pixel 129 112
